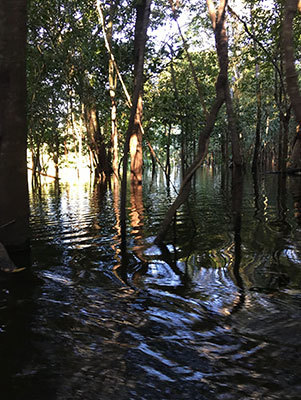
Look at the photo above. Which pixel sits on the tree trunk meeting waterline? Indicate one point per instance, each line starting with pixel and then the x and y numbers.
pixel 150 153
pixel 73 78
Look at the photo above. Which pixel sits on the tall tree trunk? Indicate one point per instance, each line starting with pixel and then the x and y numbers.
pixel 219 25
pixel 56 155
pixel 14 210
pixel 255 161
pixel 167 164
pixel 139 50
pixel 114 128
pixel 112 89
pixel 143 12
pixel 222 92
pixel 291 7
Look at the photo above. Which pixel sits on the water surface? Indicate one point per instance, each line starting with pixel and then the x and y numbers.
pixel 214 314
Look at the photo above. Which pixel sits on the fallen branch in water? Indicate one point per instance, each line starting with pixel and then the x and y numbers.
pixel 43 174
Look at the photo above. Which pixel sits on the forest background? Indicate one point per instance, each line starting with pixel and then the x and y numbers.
pixel 101 86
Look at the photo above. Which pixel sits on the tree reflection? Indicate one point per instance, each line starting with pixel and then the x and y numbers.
pixel 237 193
pixel 295 189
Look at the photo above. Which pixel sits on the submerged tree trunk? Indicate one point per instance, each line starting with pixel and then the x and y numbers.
pixel 143 13
pixel 222 94
pixel 291 7
pixel 14 210
pixel 136 146
pixel 167 164
pixel 142 8
pixel 114 129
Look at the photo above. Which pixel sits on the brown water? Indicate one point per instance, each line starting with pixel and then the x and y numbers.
pixel 213 315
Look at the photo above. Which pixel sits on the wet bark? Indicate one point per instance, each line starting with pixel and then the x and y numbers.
pixel 13 125
pixel 136 146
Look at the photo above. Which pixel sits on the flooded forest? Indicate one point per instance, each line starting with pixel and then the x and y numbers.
pixel 150 199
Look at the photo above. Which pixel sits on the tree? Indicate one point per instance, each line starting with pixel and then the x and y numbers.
pixel 292 75
pixel 142 21
pixel 14 211
pixel 218 20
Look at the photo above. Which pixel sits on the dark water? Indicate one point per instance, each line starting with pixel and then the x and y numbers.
pixel 213 315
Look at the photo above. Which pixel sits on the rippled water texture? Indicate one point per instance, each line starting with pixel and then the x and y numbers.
pixel 214 314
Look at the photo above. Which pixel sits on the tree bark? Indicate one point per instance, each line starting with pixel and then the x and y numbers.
pixel 95 136
pixel 167 164
pixel 143 11
pixel 13 125
pixel 291 7
pixel 291 73
pixel 112 90
pixel 221 39
pixel 136 146
pixel 222 95
pixel 255 161
pixel 139 49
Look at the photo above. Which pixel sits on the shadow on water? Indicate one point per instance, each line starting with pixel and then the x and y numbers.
pixel 214 313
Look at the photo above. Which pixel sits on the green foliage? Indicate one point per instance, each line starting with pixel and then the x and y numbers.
pixel 68 62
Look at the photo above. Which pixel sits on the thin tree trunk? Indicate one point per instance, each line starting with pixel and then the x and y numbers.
pixel 193 71
pixel 222 92
pixel 258 122
pixel 167 165
pixel 202 152
pixel 112 91
pixel 56 155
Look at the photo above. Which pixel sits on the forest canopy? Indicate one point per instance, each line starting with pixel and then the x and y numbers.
pixel 81 78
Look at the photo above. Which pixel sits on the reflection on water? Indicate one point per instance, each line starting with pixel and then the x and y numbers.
pixel 213 314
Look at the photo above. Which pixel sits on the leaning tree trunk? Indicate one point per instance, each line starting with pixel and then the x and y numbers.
pixel 14 210
pixel 222 95
pixel 291 7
